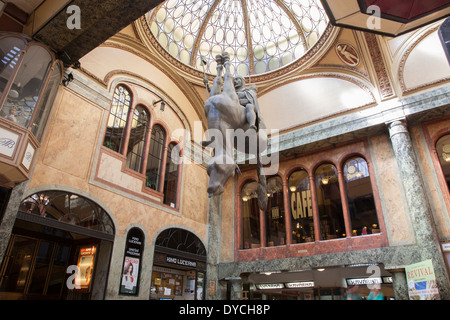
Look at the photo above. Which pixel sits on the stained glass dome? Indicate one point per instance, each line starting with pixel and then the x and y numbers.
pixel 260 35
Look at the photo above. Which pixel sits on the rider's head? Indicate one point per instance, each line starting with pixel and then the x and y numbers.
pixel 239 81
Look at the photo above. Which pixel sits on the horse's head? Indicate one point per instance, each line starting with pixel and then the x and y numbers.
pixel 219 173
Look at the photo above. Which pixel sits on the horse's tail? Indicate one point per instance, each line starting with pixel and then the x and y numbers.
pixel 262 186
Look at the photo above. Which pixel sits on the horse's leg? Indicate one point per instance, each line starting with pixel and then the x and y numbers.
pixel 228 84
pixel 218 80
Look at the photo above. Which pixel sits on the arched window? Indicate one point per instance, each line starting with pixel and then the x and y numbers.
pixel 171 176
pixel 361 203
pixel 155 157
pixel 301 207
pixel 329 202
pixel 69 208
pixel 443 152
pixel 138 134
pixel 275 223
pixel 250 216
pixel 118 119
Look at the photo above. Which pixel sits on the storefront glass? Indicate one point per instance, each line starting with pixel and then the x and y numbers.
pixel 361 204
pixel 301 207
pixel 329 202
pixel 275 215
pixel 250 216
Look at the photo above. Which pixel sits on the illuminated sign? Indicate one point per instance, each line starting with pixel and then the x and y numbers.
pixel 269 286
pixel 85 267
pixel 132 262
pixel 302 284
pixel 181 262
pixel 364 281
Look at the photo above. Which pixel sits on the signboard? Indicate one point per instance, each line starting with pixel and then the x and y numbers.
pixel 85 267
pixel 132 262
pixel 303 284
pixel 422 281
pixel 181 262
pixel 364 281
pixel 269 286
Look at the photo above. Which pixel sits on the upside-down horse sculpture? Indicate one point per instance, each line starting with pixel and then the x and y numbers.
pixel 233 118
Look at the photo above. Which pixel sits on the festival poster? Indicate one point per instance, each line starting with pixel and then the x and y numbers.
pixel 422 281
pixel 130 275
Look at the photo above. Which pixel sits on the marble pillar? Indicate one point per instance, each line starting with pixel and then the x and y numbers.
pixel 7 223
pixel 236 288
pixel 399 284
pixel 212 289
pixel 421 216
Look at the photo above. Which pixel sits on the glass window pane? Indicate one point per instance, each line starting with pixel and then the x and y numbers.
pixel 10 53
pixel 24 92
pixel 19 264
pixel 155 157
pixel 58 273
pixel 118 118
pixel 136 143
pixel 443 152
pixel 331 217
pixel 41 267
pixel 275 223
pixel 250 216
pixel 46 103
pixel 301 207
pixel 171 176
pixel 361 204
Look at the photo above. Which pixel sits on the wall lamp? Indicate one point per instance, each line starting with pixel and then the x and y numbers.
pixel 163 104
pixel 67 79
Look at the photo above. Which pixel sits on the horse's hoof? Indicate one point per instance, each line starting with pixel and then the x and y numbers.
pixel 219 59
pixel 226 56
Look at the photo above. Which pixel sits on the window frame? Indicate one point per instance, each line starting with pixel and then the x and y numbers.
pixel 151 125
pixel 44 85
pixel 338 164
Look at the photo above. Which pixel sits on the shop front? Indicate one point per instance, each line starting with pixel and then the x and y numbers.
pixel 60 248
pixel 335 283
pixel 179 266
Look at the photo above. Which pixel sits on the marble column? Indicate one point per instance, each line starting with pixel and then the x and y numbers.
pixel 399 284
pixel 214 247
pixel 7 223
pixel 418 206
pixel 236 288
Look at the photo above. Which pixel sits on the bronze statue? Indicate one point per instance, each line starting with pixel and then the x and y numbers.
pixel 233 118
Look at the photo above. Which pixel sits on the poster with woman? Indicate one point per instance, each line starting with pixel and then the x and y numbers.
pixel 130 275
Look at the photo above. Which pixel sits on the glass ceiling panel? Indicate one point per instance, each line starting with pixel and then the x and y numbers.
pixel 259 35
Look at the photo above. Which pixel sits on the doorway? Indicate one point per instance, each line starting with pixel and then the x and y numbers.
pixel 60 248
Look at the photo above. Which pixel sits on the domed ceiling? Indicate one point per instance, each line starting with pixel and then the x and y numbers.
pixel 260 35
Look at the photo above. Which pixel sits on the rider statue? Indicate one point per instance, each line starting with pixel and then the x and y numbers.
pixel 247 98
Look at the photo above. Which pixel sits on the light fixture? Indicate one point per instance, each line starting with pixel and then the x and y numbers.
pixel 67 79
pixel 325 181
pixel 293 188
pixel 321 269
pixel 162 106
